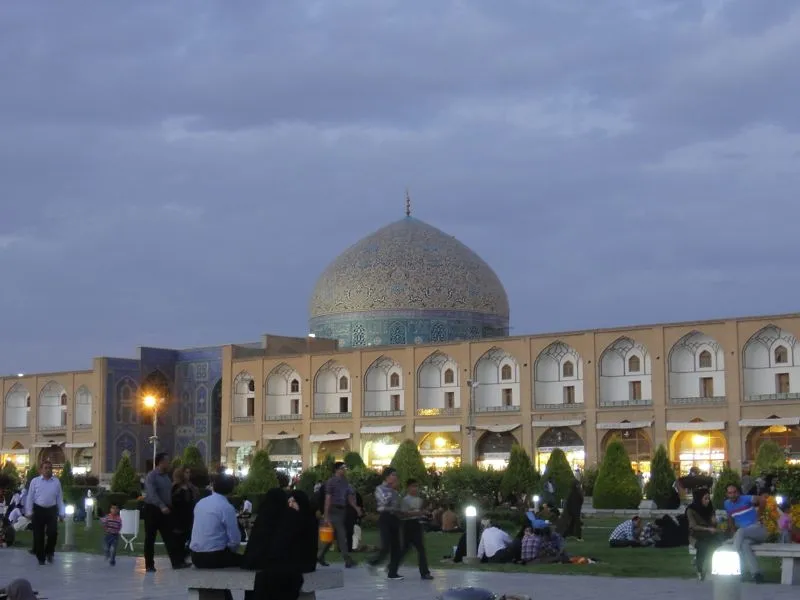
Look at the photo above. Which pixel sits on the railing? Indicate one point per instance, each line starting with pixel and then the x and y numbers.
pixel 289 417
pixel 78 426
pixel 616 403
pixel 384 413
pixel 334 415
pixel 52 428
pixel 438 412
pixel 698 400
pixel 19 429
pixel 243 419
pixel 489 409
pixel 772 397
pixel 559 406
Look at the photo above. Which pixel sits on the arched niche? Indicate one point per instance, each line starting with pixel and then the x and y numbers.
pixel 565 438
pixel 637 444
pixel 55 454
pixel 440 450
pixel 335 448
pixel 493 449
pixel 702 448
pixel 379 449
pixel 786 436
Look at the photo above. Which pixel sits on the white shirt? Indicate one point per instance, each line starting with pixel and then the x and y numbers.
pixel 16 499
pixel 247 506
pixel 14 516
pixel 215 525
pixel 493 540
pixel 46 493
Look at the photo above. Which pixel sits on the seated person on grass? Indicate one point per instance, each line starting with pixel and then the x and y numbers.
pixel 496 546
pixel 542 545
pixel 627 534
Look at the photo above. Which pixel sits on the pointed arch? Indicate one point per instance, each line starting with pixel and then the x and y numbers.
pixel 83 408
pixel 332 390
pixel 383 388
pixel 52 406
pixel 558 376
pixel 283 393
pixel 496 392
pixel 438 386
pixel 17 407
pixel 243 397
pixel 764 377
pixel 127 394
pixel 696 364
pixel 625 374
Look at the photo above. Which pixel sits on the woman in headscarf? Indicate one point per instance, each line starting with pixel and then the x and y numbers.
pixel 702 529
pixel 570 524
pixel 275 549
pixel 309 530
pixel 184 497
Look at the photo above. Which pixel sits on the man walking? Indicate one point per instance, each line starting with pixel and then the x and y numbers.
pixel 157 500
pixel 44 505
pixel 388 502
pixel 413 534
pixel 338 495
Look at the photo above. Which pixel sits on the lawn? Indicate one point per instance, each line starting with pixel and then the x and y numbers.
pixel 621 562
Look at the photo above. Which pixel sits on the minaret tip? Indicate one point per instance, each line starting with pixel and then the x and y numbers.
pixel 408 203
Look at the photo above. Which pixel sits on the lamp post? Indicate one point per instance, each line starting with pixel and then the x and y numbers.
pixel 152 402
pixel 536 500
pixel 89 506
pixel 726 569
pixel 472 534
pixel 69 527
pixel 471 420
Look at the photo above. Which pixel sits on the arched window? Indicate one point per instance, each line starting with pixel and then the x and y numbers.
pixel 568 369
pixel 505 373
pixel 251 385
pixel 705 359
pixel 634 364
pixel 295 386
pixel 343 384
pixel 449 376
pixel 394 380
pixel 781 355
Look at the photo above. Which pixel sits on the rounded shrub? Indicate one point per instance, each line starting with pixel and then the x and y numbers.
pixel 726 477
pixel 408 462
pixel 617 486
pixel 769 459
pixel 560 471
pixel 660 488
pixel 519 478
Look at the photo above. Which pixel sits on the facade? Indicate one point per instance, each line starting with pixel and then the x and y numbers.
pixel 409 340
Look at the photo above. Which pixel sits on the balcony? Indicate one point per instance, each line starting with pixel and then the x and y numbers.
pixel 772 397
pixel 384 413
pixel 81 426
pixel 249 419
pixel 289 417
pixel 334 415
pixel 626 403
pixel 559 406
pixel 496 409
pixel 698 401
pixel 17 429
pixel 438 412
pixel 53 428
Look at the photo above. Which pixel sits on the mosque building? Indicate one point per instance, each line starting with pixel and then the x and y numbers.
pixel 409 339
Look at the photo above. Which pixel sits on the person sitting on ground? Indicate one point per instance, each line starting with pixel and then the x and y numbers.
pixel 450 521
pixel 743 513
pixel 215 531
pixel 495 545
pixel 626 534
pixel 542 545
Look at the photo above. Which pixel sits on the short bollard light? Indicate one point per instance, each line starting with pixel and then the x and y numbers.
pixel 779 500
pixel 536 500
pixel 726 569
pixel 69 527
pixel 89 505
pixel 472 534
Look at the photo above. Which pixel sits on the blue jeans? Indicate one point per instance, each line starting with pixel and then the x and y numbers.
pixel 110 541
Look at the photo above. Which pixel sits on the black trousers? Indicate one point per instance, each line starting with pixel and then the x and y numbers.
pixel 704 547
pixel 221 559
pixel 389 527
pixel 413 536
pixel 45 523
pixel 156 522
pixel 624 544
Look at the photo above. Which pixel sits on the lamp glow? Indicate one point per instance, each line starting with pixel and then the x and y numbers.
pixel 228 471
pixel 536 498
pixel 779 500
pixel 244 471
pixel 726 563
pixel 471 511
pixel 149 401
pixel 69 510
pixel 89 502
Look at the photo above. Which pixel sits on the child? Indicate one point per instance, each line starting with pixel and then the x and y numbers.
pixel 112 524
pixel 785 527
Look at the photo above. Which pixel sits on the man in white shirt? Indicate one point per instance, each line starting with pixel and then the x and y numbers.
pixel 494 545
pixel 215 530
pixel 44 504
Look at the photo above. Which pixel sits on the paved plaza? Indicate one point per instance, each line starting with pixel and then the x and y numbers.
pixel 84 577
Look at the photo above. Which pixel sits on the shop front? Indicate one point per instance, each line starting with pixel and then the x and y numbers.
pixel 285 452
pixel 52 452
pixel 634 437
pixel 785 432
pixel 239 457
pixel 378 445
pixel 698 444
pixel 559 434
pixel 82 457
pixel 17 455
pixel 494 446
pixel 439 445
pixel 329 444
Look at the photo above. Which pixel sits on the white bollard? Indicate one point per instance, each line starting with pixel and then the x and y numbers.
pixel 69 527
pixel 726 570
pixel 472 534
pixel 89 505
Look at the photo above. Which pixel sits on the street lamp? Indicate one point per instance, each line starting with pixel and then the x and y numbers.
pixel 471 419
pixel 152 402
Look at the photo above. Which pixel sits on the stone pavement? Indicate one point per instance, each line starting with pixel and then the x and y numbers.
pixel 85 577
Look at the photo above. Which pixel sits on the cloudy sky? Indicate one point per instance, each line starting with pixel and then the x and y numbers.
pixel 179 173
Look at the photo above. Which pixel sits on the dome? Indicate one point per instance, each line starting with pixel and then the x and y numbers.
pixel 408 283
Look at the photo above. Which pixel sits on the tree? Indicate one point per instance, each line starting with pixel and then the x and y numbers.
pixel 408 463
pixel 353 460
pixel 519 478
pixel 66 478
pixel 193 460
pixel 660 488
pixel 559 470
pixel 726 477
pixel 10 471
pixel 617 485
pixel 769 458
pixel 125 480
pixel 260 478
pixel 31 473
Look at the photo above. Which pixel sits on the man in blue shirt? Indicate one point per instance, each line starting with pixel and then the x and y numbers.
pixel 215 532
pixel 743 514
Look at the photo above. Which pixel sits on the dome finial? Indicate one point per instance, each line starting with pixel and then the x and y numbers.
pixel 408 204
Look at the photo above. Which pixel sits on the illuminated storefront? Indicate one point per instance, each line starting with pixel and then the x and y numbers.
pixel 54 453
pixel 440 450
pixel 494 447
pixel 784 432
pixel 17 455
pixel 329 444
pixel 285 452
pixel 82 457
pixel 240 457
pixel 379 445
pixel 564 438
pixel 698 444
pixel 635 440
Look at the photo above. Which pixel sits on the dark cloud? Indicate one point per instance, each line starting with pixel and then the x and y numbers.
pixel 175 175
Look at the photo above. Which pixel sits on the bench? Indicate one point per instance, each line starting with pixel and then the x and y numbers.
pixel 790 560
pixel 211 584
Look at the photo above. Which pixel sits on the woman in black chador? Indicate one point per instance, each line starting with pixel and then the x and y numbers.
pixel 277 549
pixel 570 524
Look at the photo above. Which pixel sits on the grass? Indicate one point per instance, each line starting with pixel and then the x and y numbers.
pixel 620 562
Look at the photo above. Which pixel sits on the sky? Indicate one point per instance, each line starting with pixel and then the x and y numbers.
pixel 178 174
